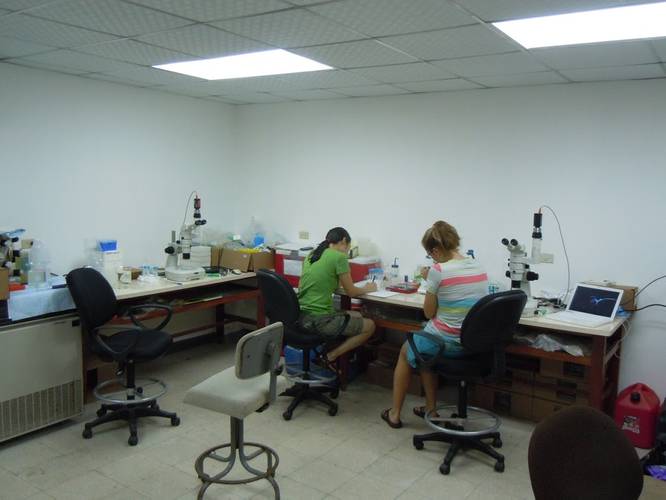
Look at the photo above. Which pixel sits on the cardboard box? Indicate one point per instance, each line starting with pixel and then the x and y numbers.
pixel 4 283
pixel 216 255
pixel 519 381
pixel 379 374
pixel 504 402
pixel 628 293
pixel 246 261
pixel 564 370
pixel 563 391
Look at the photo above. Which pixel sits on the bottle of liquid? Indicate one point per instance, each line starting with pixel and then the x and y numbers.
pixel 394 274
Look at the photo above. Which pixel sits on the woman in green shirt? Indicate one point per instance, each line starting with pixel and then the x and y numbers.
pixel 324 270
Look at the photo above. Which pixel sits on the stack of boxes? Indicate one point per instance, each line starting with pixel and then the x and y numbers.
pixel 380 371
pixel 533 388
pixel 242 259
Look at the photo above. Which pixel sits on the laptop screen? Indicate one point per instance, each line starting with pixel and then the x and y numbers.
pixel 592 300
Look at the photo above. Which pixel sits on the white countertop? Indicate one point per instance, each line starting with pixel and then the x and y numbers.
pixel 162 285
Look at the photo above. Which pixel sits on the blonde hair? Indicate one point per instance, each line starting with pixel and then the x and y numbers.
pixel 441 235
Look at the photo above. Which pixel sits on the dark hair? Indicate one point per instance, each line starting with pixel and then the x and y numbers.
pixel 441 235
pixel 335 235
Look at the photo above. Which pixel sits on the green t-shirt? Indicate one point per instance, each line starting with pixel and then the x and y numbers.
pixel 319 281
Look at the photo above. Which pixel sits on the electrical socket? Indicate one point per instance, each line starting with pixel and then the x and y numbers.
pixel 304 235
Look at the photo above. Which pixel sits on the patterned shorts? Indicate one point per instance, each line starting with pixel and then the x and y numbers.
pixel 328 325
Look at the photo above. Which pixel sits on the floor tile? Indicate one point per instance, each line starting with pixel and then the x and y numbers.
pixel 323 476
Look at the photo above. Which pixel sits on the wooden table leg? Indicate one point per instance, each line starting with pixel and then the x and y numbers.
pixel 343 366
pixel 219 320
pixel 597 373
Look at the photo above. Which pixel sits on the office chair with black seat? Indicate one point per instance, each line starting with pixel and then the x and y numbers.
pixel 282 305
pixel 124 344
pixel 487 329
pixel 580 453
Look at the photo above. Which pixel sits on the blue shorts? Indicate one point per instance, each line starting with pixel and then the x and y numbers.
pixel 427 347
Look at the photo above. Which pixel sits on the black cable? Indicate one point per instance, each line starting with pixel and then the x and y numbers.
pixel 645 307
pixel 566 255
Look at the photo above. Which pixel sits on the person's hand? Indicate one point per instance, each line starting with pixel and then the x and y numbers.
pixel 370 287
pixel 424 272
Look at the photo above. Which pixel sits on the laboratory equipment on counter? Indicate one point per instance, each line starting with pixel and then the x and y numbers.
pixel 182 269
pixel 519 271
pixel 394 273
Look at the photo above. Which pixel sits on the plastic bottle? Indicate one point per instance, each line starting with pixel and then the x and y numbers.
pixel 394 275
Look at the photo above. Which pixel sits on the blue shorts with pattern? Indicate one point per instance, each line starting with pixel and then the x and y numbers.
pixel 428 348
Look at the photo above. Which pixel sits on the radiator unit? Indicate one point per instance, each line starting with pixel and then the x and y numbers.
pixel 41 374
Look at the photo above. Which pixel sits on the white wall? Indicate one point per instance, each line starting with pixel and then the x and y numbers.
pixel 386 168
pixel 84 159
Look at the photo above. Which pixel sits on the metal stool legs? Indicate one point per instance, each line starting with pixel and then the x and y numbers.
pixel 237 450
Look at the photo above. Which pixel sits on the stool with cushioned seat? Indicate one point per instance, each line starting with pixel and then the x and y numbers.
pixel 249 386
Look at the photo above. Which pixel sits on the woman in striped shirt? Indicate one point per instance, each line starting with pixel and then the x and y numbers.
pixel 453 285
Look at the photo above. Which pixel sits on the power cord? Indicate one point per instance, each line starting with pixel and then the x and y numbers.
pixel 563 300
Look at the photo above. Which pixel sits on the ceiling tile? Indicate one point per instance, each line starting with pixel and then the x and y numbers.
pixel 453 43
pixel 136 52
pixel 12 47
pixel 660 47
pixel 439 85
pixel 615 73
pixel 191 89
pixel 117 79
pixel 541 78
pixel 48 67
pixel 292 28
pixel 70 60
pixel 214 10
pixel 3 12
pixel 499 64
pixel 500 10
pixel 355 54
pixel 152 76
pixel 36 30
pixel 109 16
pixel 596 55
pixel 412 72
pixel 17 5
pixel 371 90
pixel 204 41
pixel 389 17
pixel 305 2
pixel 307 95
pixel 253 98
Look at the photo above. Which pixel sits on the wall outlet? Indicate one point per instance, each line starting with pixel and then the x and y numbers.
pixel 304 235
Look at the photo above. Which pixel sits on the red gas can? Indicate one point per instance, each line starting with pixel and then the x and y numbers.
pixel 636 413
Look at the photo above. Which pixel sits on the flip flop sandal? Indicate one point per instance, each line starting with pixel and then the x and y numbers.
pixel 385 418
pixel 420 411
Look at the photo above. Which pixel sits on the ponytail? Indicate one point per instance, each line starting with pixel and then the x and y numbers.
pixel 335 235
pixel 441 235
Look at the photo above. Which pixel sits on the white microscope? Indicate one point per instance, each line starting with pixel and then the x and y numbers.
pixel 519 264
pixel 182 270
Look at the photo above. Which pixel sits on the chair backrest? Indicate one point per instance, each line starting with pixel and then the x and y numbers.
pixel 580 453
pixel 491 322
pixel 280 301
pixel 258 352
pixel 93 296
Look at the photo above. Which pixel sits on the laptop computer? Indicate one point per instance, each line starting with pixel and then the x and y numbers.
pixel 590 306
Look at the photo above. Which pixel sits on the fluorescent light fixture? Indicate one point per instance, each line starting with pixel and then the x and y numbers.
pixel 268 62
pixel 604 25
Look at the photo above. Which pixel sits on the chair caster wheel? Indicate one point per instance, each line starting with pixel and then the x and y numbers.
pixel 139 390
pixel 133 440
pixel 499 466
pixel 287 415
pixel 454 415
pixel 175 421
pixel 444 469
pixel 335 393
pixel 333 411
pixel 87 433
pixel 101 412
pixel 497 443
pixel 418 444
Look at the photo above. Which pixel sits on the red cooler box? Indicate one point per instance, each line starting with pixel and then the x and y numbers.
pixel 360 267
pixel 289 259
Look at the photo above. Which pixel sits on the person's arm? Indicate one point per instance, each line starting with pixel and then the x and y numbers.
pixel 351 289
pixel 430 305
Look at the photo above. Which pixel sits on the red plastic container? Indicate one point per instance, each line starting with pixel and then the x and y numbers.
pixel 636 413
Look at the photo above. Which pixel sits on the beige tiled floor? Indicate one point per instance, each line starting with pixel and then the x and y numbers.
pixel 352 455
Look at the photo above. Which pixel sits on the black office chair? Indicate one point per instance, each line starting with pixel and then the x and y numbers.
pixel 281 305
pixel 580 453
pixel 96 305
pixel 487 329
